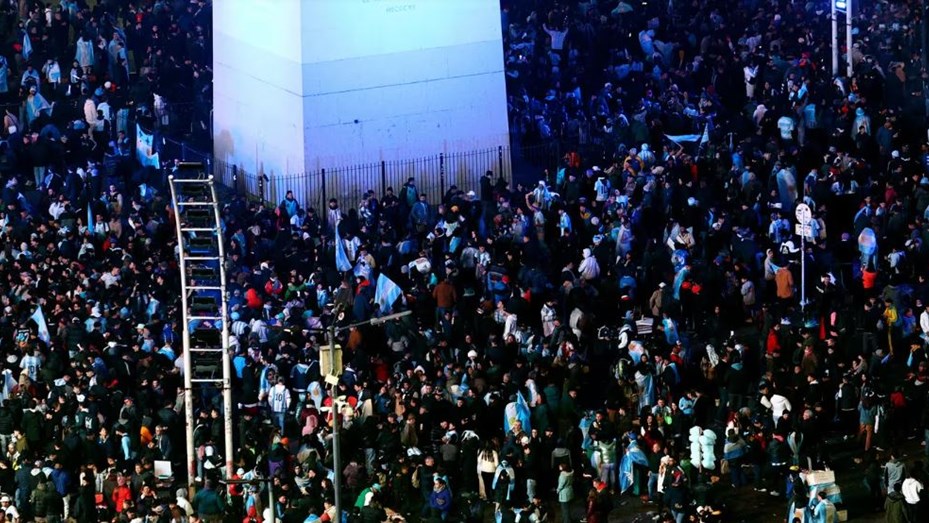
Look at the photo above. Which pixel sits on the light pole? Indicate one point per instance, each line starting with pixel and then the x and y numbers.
pixel 804 217
pixel 848 38
pixel 257 481
pixel 845 7
pixel 923 34
pixel 835 39
pixel 331 332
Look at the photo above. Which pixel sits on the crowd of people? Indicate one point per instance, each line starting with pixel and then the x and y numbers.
pixel 643 325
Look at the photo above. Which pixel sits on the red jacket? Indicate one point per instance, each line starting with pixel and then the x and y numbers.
pixel 121 494
pixel 273 288
pixel 774 343
pixel 253 300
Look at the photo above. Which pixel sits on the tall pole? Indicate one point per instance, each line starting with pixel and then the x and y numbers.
pixel 835 40
pixel 803 270
pixel 271 501
pixel 336 422
pixel 924 34
pixel 849 12
pixel 331 331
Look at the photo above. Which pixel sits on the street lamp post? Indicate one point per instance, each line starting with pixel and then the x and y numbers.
pixel 258 481
pixel 845 7
pixel 331 332
pixel 835 37
pixel 848 38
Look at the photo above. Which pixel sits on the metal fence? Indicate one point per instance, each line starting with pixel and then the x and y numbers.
pixel 434 175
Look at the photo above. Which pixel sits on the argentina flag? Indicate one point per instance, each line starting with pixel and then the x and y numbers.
pixel 39 318
pixel 386 293
pixel 27 46
pixel 341 259
pixel 633 456
pixel 516 411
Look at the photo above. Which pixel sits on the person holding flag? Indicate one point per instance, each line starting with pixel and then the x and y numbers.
pixel 342 263
pixel 39 318
pixel 386 293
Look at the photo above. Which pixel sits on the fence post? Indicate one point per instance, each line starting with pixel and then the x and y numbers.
pixel 325 206
pixel 261 188
pixel 184 151
pixel 441 176
pixel 383 178
pixel 500 159
pixel 235 179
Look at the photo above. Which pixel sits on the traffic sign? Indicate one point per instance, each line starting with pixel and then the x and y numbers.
pixel 804 214
pixel 803 230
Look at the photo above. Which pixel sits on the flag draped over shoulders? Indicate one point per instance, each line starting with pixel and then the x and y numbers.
pixel 516 411
pixel 633 456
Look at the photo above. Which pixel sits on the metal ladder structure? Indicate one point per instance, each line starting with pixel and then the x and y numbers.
pixel 207 362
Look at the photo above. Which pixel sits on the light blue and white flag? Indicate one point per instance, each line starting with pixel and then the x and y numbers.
pixel 145 148
pixel 633 456
pixel 341 259
pixel 39 318
pixel 517 411
pixel 700 139
pixel 27 46
pixel 386 293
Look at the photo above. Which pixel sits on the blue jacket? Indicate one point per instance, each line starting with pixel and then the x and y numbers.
pixel 440 500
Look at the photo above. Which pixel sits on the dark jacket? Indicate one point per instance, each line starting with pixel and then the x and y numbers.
pixel 895 508
pixel 371 514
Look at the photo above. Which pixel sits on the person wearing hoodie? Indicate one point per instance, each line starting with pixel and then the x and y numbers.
pixel 895 506
pixel 183 502
pixel 440 501
pixel 565 491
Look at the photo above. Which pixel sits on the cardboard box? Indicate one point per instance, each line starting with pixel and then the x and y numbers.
pixel 820 477
pixel 841 515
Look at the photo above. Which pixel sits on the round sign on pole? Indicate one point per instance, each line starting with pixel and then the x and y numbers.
pixel 804 214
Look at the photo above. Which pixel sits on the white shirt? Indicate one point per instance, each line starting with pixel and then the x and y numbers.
pixel 279 398
pixel 786 126
pixel 56 209
pixel 11 510
pixel 777 403
pixel 31 363
pixel 924 322
pixel 558 38
pixel 911 489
